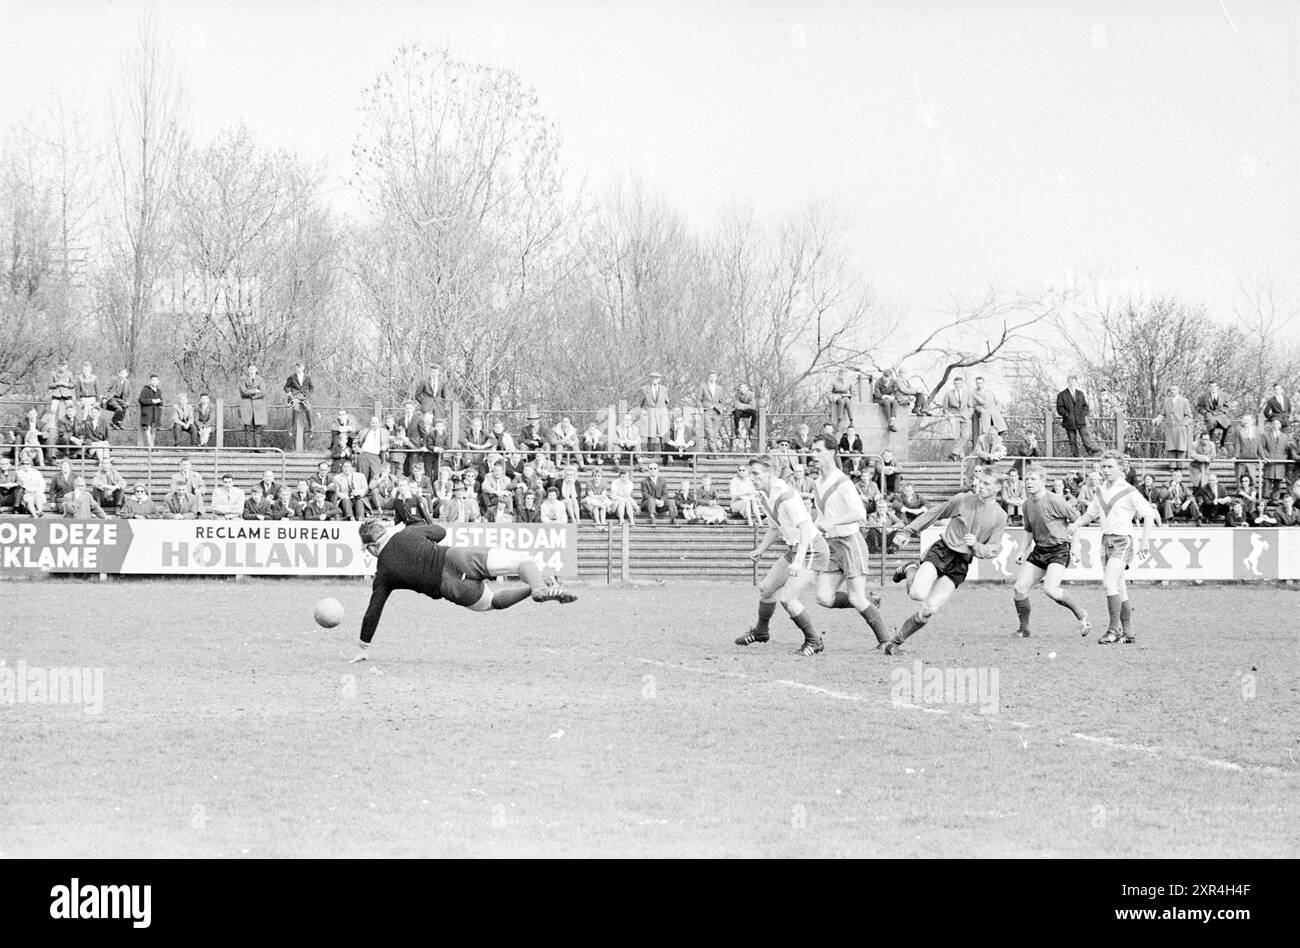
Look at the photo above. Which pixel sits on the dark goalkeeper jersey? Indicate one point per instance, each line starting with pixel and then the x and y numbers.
pixel 413 559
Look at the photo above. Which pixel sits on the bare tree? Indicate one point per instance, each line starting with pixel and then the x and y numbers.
pixel 1265 309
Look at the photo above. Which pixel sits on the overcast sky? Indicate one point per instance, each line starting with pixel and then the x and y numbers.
pixel 971 143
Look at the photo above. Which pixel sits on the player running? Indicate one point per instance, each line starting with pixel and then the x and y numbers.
pixel 840 516
pixel 1045 553
pixel 974 529
pixel 806 552
pixel 412 557
pixel 1117 504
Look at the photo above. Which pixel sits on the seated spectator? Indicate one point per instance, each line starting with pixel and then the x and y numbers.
pixel 383 489
pixel 744 497
pixel 271 505
pixel 546 468
pixel 350 488
pixel 227 499
pixel 140 506
pixel 707 507
pixel 299 498
pixel 1176 502
pixel 531 439
pixel 31 486
pixel 553 510
pixel 680 443
pixel 593 442
pixel 193 481
pixel 1202 453
pixel 888 394
pixel 205 419
pixel 117 398
pixel 1286 513
pixel 850 451
pixel 1248 494
pixel 621 493
pixel 783 458
pixel 69 437
pixel 528 511
pixel 320 508
pixel 324 478
pixel 888 469
pixel 108 486
pixel 657 496
pixel 180 503
pixel 744 416
pixel 183 420
pixel 497 489
pixel 627 440
pixel 564 439
pixel 501 441
pixel 94 433
pixel 1213 500
pixel 572 492
pixel 62 484
pixel 909 505
pixel 477 441
pixel 802 444
pixel 464 507
pixel 685 499
pixel 801 482
pixel 407 508
pixel 35 434
pixel 598 501
pixel 11 495
pixel 1012 495
pixel 80 504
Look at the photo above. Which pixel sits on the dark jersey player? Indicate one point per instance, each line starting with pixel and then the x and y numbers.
pixel 1045 555
pixel 413 558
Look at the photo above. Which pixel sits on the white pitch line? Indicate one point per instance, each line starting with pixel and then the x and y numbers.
pixel 980 718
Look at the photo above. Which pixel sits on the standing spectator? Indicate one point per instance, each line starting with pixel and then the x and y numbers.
pixel 656 495
pixel 350 488
pixel 620 493
pixel 593 442
pixel 744 496
pixel 1028 449
pixel 63 388
pixel 1176 501
pixel 298 389
pixel 431 393
pixel 342 435
pixel 371 446
pixel 745 409
pixel 94 433
pixel 1278 405
pixel 410 421
pixel 151 402
pixel 888 393
pixel 987 410
pixel 1273 445
pixel 80 504
pixel 850 451
pixel 1216 418
pixel 183 420
pixel 31 497
pixel 205 418
pixel 1176 418
pixel 959 406
pixel 108 486
pixel 710 397
pixel 70 437
pixel 1246 445
pixel 654 408
pixel 140 506
pixel 436 443
pixel 843 392
pixel 87 390
pixel 117 398
pixel 227 499
pixel 1072 407
pixel 252 406
pixel 627 438
pixel 319 508
pixel 62 485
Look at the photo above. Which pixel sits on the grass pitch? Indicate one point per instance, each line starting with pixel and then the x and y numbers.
pixel 628 724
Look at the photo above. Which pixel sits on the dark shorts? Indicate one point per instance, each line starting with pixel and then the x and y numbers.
pixel 948 562
pixel 463 575
pixel 1045 556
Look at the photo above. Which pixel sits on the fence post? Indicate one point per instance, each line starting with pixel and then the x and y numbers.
pixel 626 535
pixel 1048 449
pixel 221 421
pixel 1119 429
pixel 297 430
pixel 611 421
pixel 454 433
pixel 609 555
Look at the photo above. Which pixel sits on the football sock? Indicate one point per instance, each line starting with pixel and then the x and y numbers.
pixel 805 625
pixel 911 626
pixel 1022 610
pixel 1071 605
pixel 876 621
pixel 505 598
pixel 765 612
pixel 531 573
pixel 1113 605
pixel 1125 616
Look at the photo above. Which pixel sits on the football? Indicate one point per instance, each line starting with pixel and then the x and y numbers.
pixel 329 613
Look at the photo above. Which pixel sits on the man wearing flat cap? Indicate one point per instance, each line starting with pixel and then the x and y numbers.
pixel 654 408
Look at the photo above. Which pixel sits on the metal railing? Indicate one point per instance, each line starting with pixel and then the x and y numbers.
pixel 167 458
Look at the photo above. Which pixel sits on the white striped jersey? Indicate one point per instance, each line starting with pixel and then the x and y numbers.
pixel 837 499
pixel 785 510
pixel 1118 507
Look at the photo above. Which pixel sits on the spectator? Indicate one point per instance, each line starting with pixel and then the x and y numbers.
pixel 350 487
pixel 477 441
pixel 710 398
pixel 383 489
pixel 908 504
pixel 593 442
pixel 342 438
pixel 527 480
pixel 1287 515
pixel 1248 495
pixel 80 504
pixel 428 505
pixel 431 393
pixel 627 439
pixel 843 392
pixel 850 451
pixel 1177 502
pixel 35 436
pixel 989 449
pixel 298 390
pixel 987 411
pixel 656 495
pixel 1213 501
pixel 680 442
pixel 205 417
pixel 707 508
pixel 151 402
pixel 888 394
pixel 1246 445
pixel 325 478
pixel 436 443
pixel 685 499
pixel 598 500
pixel 464 508
pixel 1088 489
pixel 1147 488
pixel 1202 455
pixel 70 430
pixel 107 486
pixel 572 493
pixel 802 444
pixel 193 482
pixel 745 410
pixel 94 434
pixel 227 499
pixel 620 492
pixel 63 388
pixel 11 495
pixel 496 490
pixel 1176 419
pixel 1278 406
pixel 140 506
pixel 801 482
pixel 267 486
pixel 1216 418
pixel 31 489
pixel 258 506
pixel 553 510
pixel 411 421
pixel 744 496
pixel 1029 448
pixel 370 446
pixel 887 471
pixel 564 438
pixel 1273 446
pixel 87 390
pixel 183 420
pixel 529 511
pixel 117 398
pixel 319 508
pixel 407 508
pixel 299 498
pixel 252 406
pixel 1072 407
pixel 655 411
pixel 959 406
pixel 1012 496
pixel 783 458
pixel 62 485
